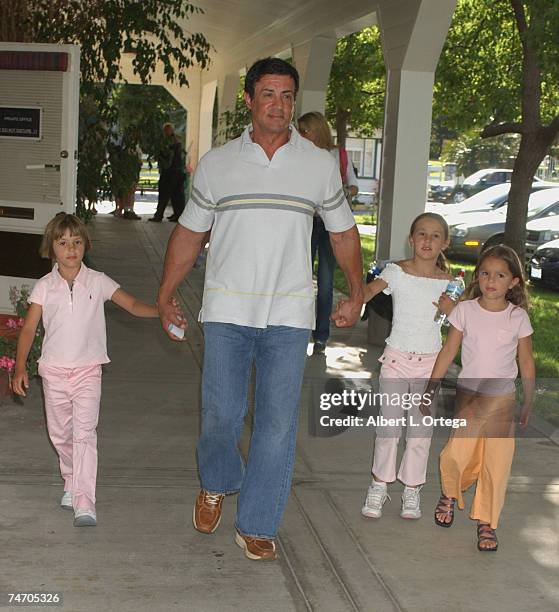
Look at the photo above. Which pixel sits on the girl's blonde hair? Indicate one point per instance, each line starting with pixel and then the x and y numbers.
pixel 518 295
pixel 57 227
pixel 316 122
pixel 441 259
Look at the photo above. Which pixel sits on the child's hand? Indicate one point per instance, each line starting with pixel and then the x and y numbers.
pixel 20 382
pixel 525 415
pixel 445 304
pixel 424 408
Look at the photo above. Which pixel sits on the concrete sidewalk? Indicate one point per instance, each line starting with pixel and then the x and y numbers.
pixel 145 555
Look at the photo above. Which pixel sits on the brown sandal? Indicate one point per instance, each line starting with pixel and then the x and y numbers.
pixel 446 507
pixel 486 534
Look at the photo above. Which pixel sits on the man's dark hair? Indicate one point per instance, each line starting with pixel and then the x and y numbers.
pixel 269 65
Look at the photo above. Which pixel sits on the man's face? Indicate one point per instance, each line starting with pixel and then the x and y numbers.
pixel 273 103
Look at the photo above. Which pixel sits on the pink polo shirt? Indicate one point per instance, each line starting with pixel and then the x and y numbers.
pixel 489 344
pixel 74 321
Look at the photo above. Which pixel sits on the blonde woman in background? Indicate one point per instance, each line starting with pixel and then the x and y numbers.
pixel 315 128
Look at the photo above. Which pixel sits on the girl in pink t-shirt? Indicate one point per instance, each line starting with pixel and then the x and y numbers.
pixel 493 327
pixel 70 301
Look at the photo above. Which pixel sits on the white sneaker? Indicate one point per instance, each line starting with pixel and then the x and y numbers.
pixel 66 501
pixel 376 496
pixel 410 503
pixel 85 518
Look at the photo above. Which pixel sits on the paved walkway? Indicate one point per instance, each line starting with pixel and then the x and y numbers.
pixel 145 555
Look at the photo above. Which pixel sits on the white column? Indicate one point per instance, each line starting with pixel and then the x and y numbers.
pixel 313 61
pixel 413 33
pixel 189 98
pixel 227 89
pixel 207 101
pixel 405 156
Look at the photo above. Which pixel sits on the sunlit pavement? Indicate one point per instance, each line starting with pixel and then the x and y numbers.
pixel 145 555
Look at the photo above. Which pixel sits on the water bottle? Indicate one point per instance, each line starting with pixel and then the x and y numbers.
pixel 373 271
pixel 454 290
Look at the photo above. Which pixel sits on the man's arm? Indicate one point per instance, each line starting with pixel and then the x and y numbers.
pixel 347 250
pixel 182 250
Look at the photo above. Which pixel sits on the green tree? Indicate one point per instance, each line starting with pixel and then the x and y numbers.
pixel 499 73
pixel 471 152
pixel 355 96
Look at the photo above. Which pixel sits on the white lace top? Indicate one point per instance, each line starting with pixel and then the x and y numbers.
pixel 413 326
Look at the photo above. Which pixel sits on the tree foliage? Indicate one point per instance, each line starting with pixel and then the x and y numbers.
pixel 471 152
pixel 499 73
pixel 355 96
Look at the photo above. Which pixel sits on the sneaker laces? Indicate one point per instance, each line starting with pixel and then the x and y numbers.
pixel 411 497
pixel 212 499
pixel 375 496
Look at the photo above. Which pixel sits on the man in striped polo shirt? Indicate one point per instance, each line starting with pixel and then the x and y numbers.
pixel 258 194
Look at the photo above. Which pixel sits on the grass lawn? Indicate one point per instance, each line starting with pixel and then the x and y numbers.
pixel 544 314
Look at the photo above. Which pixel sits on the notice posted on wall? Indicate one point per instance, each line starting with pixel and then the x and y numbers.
pixel 20 122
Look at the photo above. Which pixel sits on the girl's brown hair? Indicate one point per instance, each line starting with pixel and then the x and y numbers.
pixel 316 122
pixel 441 259
pixel 57 227
pixel 518 295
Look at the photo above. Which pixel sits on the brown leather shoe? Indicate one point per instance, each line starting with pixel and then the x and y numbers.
pixel 258 549
pixel 207 511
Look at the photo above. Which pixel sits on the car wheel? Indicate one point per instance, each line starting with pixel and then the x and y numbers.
pixel 493 241
pixel 459 196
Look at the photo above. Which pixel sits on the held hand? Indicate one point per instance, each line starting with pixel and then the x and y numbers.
pixel 20 382
pixel 525 415
pixel 425 406
pixel 445 304
pixel 171 312
pixel 347 313
pixel 424 409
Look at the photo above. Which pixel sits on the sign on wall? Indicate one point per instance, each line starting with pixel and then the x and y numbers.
pixel 20 122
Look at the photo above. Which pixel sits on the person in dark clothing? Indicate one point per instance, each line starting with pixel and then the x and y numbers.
pixel 171 176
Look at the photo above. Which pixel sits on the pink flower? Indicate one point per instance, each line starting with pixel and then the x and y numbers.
pixel 11 324
pixel 7 363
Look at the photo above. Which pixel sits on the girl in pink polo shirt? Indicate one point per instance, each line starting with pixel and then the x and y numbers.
pixel 494 329
pixel 70 301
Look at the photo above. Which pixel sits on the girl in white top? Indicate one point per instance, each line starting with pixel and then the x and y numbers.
pixel 411 350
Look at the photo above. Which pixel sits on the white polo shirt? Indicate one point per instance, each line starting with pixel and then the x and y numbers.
pixel 260 211
pixel 74 320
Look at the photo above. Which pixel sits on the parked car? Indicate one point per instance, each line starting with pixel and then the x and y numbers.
pixel 544 265
pixel 480 180
pixel 440 191
pixel 540 231
pixel 490 199
pixel 477 231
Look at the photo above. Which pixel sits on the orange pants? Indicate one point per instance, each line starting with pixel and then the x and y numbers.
pixel 482 452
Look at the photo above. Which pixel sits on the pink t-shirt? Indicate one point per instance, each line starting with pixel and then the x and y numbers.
pixel 490 342
pixel 74 321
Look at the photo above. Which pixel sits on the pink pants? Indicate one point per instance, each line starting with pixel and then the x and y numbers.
pixel 403 373
pixel 72 397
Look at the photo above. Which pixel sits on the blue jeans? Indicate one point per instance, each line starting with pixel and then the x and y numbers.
pixel 279 355
pixel 320 241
